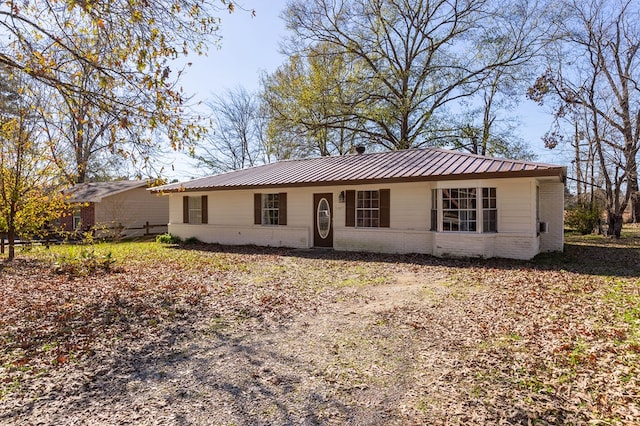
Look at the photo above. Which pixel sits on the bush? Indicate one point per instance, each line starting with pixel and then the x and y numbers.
pixel 83 262
pixel 583 218
pixel 167 239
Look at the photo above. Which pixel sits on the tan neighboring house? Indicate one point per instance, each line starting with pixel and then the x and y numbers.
pixel 116 209
pixel 430 201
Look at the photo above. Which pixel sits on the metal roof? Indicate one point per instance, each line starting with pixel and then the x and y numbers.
pixel 394 166
pixel 94 192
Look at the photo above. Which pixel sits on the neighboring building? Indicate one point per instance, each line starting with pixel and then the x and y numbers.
pixel 116 209
pixel 430 201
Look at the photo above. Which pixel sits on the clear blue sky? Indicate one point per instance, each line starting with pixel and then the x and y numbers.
pixel 250 46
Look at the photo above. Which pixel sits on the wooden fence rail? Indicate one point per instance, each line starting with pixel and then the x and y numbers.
pixel 54 237
pixel 147 228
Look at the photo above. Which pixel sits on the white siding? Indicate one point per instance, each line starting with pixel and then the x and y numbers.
pixel 516 206
pixel 410 206
pixel 231 220
pixel 229 207
pixel 133 209
pixel 551 212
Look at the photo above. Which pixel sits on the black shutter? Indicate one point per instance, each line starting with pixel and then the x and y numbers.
pixel 385 208
pixel 282 208
pixel 350 199
pixel 205 209
pixel 257 209
pixel 185 209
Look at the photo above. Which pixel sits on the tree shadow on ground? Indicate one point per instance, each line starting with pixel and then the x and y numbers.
pixel 187 374
pixel 221 380
pixel 231 378
pixel 587 255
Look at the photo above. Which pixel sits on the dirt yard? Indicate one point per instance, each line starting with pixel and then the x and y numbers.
pixel 207 335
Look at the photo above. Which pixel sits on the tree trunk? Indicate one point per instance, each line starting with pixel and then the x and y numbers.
pixel 11 237
pixel 635 207
pixel 615 224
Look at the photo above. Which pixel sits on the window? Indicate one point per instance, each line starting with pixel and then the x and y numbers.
pixel 489 210
pixel 459 210
pixel 367 209
pixel 77 218
pixel 194 210
pixel 434 210
pixel 270 209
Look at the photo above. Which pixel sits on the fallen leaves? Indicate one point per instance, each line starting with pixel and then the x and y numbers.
pixel 390 339
pixel 48 319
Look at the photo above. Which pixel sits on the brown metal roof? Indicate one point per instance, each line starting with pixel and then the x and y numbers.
pixel 395 166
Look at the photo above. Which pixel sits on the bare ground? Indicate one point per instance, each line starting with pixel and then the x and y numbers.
pixel 288 337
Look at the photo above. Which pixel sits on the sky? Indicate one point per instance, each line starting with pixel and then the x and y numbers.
pixel 250 46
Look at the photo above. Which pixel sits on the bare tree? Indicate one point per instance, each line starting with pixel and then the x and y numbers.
pixel 596 77
pixel 85 140
pixel 235 140
pixel 514 38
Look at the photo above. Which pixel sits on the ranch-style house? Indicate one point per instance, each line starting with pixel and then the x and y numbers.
pixel 431 201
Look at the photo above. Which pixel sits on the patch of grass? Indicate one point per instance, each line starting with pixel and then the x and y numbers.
pixel 10 384
pixel 625 297
pixel 578 354
pixel 216 326
pixel 123 251
pixel 534 384
pixel 361 281
pixel 597 254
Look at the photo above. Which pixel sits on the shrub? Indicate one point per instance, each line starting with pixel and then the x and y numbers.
pixel 192 240
pixel 82 262
pixel 583 218
pixel 167 239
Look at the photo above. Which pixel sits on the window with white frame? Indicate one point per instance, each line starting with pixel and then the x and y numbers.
pixel 434 210
pixel 195 210
pixel 459 210
pixel 489 210
pixel 368 209
pixel 77 218
pixel 270 209
pixel 464 209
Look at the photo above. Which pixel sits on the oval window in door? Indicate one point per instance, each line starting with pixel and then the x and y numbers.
pixel 324 218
